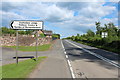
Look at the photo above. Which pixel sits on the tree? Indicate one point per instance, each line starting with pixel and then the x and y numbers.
pixel 56 36
pixel 118 33
pixel 112 30
pixel 77 37
pixel 5 30
pixel 90 33
pixel 98 28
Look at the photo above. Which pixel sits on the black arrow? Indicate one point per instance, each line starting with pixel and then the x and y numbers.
pixel 11 24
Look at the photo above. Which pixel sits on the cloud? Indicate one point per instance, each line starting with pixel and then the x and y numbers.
pixel 100 11
pixel 79 5
pixel 7 17
pixel 46 12
pixel 63 14
pixel 60 15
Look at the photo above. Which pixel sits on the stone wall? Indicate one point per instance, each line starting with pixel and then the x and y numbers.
pixel 23 41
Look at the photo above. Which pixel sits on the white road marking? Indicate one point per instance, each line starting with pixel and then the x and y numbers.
pixel 62 45
pixel 66 56
pixel 71 69
pixel 98 56
pixel 64 52
pixel 68 61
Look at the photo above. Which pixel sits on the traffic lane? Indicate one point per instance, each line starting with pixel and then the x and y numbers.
pixel 78 54
pixel 89 65
pixel 104 53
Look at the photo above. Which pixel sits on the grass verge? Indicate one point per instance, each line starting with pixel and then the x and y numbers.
pixel 20 70
pixel 101 47
pixel 31 48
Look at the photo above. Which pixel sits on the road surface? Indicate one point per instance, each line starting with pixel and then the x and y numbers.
pixel 68 59
pixel 89 62
pixel 55 66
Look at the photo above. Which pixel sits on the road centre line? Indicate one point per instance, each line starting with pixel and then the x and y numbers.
pixel 68 61
pixel 98 56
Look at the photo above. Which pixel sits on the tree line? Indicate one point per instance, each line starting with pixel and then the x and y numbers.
pixel 110 42
pixel 5 30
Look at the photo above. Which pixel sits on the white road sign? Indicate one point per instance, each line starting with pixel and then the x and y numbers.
pixel 104 34
pixel 27 25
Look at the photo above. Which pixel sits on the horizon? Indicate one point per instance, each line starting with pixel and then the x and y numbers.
pixel 65 18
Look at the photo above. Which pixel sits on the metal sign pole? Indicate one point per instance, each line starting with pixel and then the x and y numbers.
pixel 36 44
pixel 17 47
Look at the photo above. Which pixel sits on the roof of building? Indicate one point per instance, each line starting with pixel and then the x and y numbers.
pixel 47 32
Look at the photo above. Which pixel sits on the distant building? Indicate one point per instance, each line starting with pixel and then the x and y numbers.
pixel 48 33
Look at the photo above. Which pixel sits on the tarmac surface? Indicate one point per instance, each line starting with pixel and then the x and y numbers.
pixel 68 59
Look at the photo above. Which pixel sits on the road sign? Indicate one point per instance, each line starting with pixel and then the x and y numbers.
pixel 24 25
pixel 34 25
pixel 104 34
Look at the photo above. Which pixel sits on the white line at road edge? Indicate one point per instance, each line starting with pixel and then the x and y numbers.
pixel 98 56
pixel 66 56
pixel 68 61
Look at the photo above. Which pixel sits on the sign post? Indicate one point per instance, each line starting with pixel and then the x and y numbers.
pixel 17 46
pixel 36 45
pixel 26 25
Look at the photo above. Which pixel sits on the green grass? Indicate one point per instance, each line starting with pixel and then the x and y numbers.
pixel 0 73
pixel 20 70
pixel 101 47
pixel 31 48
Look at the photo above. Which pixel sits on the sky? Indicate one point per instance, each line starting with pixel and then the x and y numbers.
pixel 65 18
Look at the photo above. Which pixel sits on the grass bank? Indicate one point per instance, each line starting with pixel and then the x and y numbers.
pixel 101 47
pixel 21 70
pixel 31 48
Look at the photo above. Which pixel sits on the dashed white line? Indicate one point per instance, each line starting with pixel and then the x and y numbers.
pixel 71 69
pixel 68 61
pixel 64 52
pixel 98 56
pixel 66 56
pixel 62 45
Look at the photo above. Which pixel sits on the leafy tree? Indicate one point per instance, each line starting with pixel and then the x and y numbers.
pixel 98 24
pixel 90 33
pixel 5 30
pixel 42 35
pixel 77 37
pixel 56 36
pixel 118 33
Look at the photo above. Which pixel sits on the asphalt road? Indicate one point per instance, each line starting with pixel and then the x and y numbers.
pixel 54 66
pixel 89 62
pixel 68 59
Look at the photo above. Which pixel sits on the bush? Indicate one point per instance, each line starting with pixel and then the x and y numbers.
pixel 42 35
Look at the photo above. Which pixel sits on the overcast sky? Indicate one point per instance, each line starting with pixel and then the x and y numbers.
pixel 65 18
